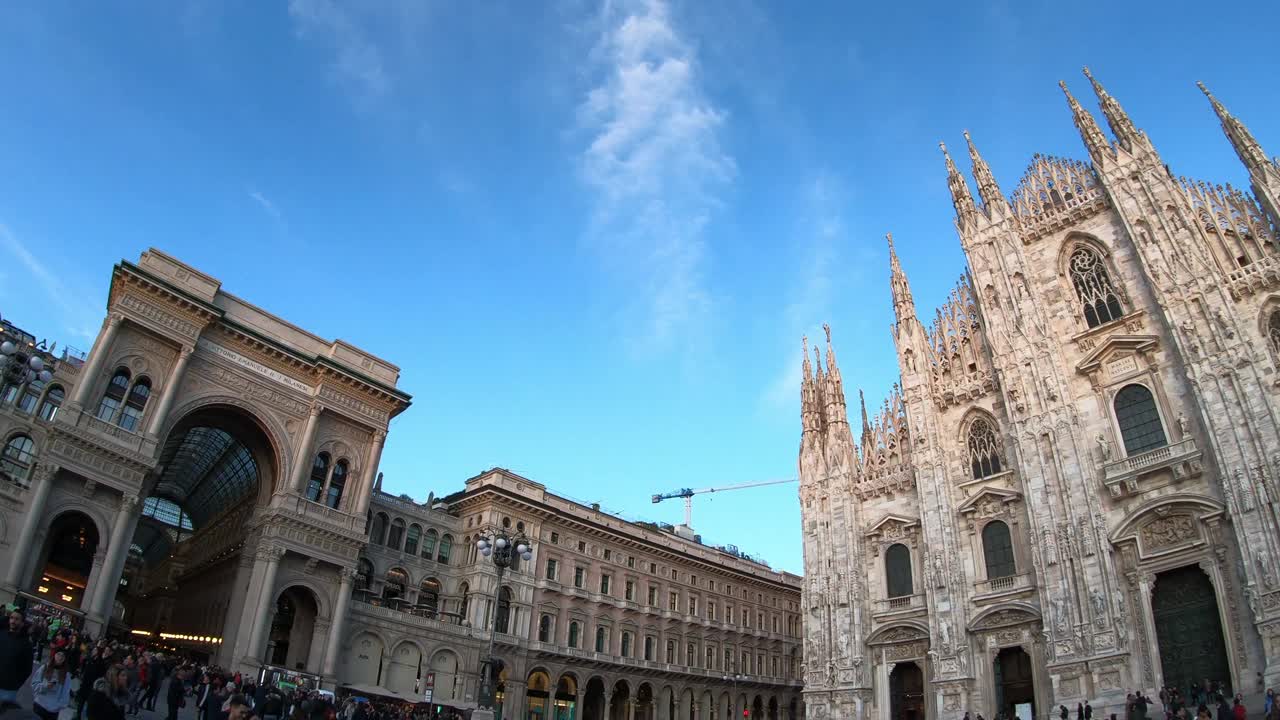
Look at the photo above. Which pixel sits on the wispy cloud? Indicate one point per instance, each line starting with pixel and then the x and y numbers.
pixel 656 164
pixel 266 205
pixel 79 312
pixel 358 63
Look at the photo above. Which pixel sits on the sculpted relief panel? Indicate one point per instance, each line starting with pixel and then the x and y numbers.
pixel 1167 532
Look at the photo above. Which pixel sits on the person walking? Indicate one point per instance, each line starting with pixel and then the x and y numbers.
pixel 110 695
pixel 175 697
pixel 1238 710
pixel 15 657
pixel 51 687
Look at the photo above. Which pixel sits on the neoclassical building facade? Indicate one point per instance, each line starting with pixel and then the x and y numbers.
pixel 205 460
pixel 1072 494
pixel 609 619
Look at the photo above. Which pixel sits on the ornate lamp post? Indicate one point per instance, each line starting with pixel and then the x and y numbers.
pixel 20 367
pixel 733 699
pixel 503 548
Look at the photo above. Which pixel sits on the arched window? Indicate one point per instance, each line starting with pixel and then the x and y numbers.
pixel 1139 420
pixel 52 401
pixel 337 482
pixel 984 449
pixel 648 647
pixel 411 539
pixel 689 654
pixel 544 629
pixel 502 621
pixel 671 652
pixel 319 471
pixel 31 397
pixel 18 456
pixel 464 591
pixel 429 595
pixel 394 586
pixel 131 418
pixel 997 548
pixel 574 632
pixel 364 574
pixel 602 637
pixel 1273 332
pixel 378 530
pixel 113 397
pixel 1098 297
pixel 446 546
pixel 897 569
pixel 626 644
pixel 396 536
pixel 429 544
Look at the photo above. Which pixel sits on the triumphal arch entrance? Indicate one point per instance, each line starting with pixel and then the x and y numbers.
pixel 203 474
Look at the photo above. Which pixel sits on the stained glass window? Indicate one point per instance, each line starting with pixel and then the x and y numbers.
pixel 1098 297
pixel 1139 420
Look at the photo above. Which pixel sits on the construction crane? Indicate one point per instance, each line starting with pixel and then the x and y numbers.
pixel 688 494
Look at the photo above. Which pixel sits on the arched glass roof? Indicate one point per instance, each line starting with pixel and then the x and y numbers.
pixel 206 471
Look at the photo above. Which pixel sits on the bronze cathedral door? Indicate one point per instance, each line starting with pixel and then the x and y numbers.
pixel 1188 628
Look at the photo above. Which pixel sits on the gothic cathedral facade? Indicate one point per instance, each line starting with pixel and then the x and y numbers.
pixel 1073 495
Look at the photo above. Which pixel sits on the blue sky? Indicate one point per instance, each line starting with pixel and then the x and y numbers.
pixel 590 234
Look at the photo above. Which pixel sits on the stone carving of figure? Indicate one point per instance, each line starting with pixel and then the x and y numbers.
pixel 1099 607
pixel 945 628
pixel 1050 548
pixel 1059 615
pixel 1268 578
pixel 939 576
pixel 1184 426
pixel 1104 446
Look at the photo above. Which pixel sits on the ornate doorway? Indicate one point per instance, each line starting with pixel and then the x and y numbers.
pixel 906 692
pixel 1188 628
pixel 1013 681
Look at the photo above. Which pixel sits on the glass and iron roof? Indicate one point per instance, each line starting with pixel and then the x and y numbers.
pixel 206 471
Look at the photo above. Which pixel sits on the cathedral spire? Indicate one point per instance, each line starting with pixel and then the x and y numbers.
pixel 866 423
pixel 992 199
pixel 904 307
pixel 966 211
pixel 1249 150
pixel 836 412
pixel 808 394
pixel 1127 134
pixel 1094 140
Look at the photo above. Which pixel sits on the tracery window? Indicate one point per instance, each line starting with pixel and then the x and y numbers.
pixel 984 449
pixel 337 482
pixel 897 568
pixel 997 549
pixel 52 401
pixel 131 417
pixel 113 396
pixel 319 471
pixel 18 456
pixel 1098 297
pixel 1139 420
pixel 411 539
pixel 1273 332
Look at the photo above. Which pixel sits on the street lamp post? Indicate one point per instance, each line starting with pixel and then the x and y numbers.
pixel 734 678
pixel 20 367
pixel 503 549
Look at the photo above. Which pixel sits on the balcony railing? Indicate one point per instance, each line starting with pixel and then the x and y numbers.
pixel 1008 583
pixel 902 603
pixel 1121 475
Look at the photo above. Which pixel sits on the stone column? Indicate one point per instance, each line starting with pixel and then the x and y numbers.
pixel 269 557
pixel 302 458
pixel 170 391
pixel 98 355
pixel 338 623
pixel 1146 584
pixel 32 516
pixel 371 473
pixel 95 577
pixel 631 709
pixel 117 551
pixel 577 706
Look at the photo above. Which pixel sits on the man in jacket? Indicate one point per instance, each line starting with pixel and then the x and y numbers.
pixel 15 657
pixel 177 689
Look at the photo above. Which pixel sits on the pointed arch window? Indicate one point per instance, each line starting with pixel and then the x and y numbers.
pixel 429 543
pixel 18 457
pixel 897 568
pixel 1099 300
pixel 502 621
pixel 1139 420
pixel 984 449
pixel 446 546
pixel 113 396
pixel 411 539
pixel 319 471
pixel 997 550
pixel 378 529
pixel 337 483
pixel 396 536
pixel 52 401
pixel 135 404
pixel 575 630
pixel 1273 332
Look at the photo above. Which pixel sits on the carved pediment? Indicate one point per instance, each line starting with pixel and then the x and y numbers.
pixel 893 527
pixel 1002 618
pixel 989 502
pixel 1115 353
pixel 897 634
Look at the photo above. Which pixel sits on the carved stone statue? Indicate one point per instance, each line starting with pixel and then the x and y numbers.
pixel 1184 426
pixel 1104 446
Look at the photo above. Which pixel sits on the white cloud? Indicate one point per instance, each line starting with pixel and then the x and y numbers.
pixel 266 205
pixel 358 62
pixel 78 310
pixel 656 164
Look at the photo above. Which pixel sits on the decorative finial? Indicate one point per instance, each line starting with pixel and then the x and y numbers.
pixel 889 237
pixel 1087 73
pixel 1203 89
pixel 827 329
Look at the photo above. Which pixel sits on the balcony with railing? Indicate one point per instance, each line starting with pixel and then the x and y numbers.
pixel 1121 475
pixel 900 604
pixel 1001 586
